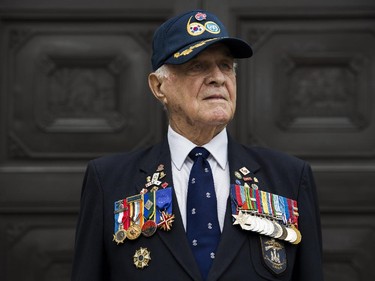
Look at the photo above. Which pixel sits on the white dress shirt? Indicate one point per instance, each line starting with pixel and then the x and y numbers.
pixel 180 148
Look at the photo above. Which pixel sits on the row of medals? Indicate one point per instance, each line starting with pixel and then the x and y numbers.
pixel 149 227
pixel 134 231
pixel 272 228
pixel 251 221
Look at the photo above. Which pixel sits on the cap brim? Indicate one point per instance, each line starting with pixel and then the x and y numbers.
pixel 237 47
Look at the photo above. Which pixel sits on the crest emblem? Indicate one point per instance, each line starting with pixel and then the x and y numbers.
pixel 212 27
pixel 274 254
pixel 195 28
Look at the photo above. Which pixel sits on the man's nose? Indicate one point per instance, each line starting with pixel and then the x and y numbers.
pixel 215 76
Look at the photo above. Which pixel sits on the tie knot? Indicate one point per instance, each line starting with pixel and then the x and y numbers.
pixel 198 152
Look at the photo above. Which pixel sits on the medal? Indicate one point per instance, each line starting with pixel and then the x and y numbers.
pixel 251 223
pixel 291 236
pixel 119 236
pixel 284 233
pixel 278 231
pixel 141 258
pixel 271 227
pixel 299 236
pixel 133 232
pixel 240 218
pixel 149 228
pixel 166 221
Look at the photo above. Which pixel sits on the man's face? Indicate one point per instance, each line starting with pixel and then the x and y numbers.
pixel 201 92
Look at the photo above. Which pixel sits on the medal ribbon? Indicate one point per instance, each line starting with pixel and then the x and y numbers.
pixel 244 197
pixel 238 192
pixel 249 201
pixel 117 205
pixel 125 217
pixel 149 205
pixel 295 213
pixel 278 211
pixel 258 200
pixel 254 199
pixel 163 202
pixel 136 209
pixel 263 195
pixel 270 204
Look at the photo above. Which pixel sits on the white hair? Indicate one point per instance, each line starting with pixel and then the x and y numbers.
pixel 163 71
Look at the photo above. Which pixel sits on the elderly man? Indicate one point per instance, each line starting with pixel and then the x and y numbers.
pixel 198 206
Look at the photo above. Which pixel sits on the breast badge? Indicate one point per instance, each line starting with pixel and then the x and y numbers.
pixel 141 258
pixel 274 255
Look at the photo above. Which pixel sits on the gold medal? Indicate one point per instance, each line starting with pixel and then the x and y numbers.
pixel 292 235
pixel 141 258
pixel 133 232
pixel 119 236
pixel 299 236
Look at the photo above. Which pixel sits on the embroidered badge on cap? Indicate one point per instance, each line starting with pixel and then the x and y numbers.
pixel 212 27
pixel 274 254
pixel 196 28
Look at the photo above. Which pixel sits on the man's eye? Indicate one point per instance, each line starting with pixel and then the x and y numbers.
pixel 197 67
pixel 226 66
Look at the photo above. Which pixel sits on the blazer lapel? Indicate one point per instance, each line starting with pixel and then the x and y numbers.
pixel 175 239
pixel 232 237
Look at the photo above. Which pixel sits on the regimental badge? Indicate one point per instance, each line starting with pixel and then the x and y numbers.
pixel 141 258
pixel 274 254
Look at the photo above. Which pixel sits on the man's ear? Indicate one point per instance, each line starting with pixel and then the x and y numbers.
pixel 155 84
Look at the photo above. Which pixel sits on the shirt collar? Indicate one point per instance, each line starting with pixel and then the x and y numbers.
pixel 180 148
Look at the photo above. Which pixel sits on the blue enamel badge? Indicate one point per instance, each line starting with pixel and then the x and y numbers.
pixel 274 254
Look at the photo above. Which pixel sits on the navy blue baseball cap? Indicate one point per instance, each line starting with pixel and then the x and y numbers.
pixel 183 37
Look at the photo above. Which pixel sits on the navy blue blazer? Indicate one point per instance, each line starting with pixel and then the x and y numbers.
pixel 239 256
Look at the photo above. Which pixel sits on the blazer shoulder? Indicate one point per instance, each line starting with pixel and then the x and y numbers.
pixel 125 161
pixel 268 157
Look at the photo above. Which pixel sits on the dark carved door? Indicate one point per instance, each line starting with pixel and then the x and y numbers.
pixel 73 86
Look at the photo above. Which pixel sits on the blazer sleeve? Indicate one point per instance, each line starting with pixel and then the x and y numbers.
pixel 89 255
pixel 308 265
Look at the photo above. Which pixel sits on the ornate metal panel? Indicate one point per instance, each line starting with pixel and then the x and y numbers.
pixel 79 90
pixel 37 250
pixel 309 89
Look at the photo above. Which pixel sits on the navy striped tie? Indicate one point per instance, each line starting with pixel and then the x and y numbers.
pixel 203 229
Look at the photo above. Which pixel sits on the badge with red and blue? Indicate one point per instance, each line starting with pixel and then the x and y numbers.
pixel 200 16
